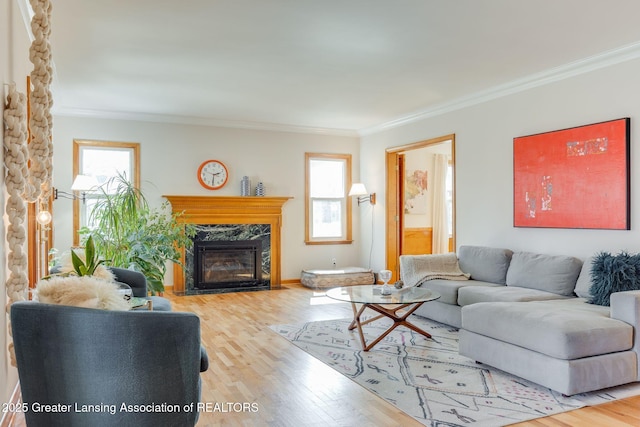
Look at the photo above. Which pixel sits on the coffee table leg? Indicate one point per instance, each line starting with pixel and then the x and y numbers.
pixel 403 321
pixel 357 314
pixel 357 324
pixel 391 314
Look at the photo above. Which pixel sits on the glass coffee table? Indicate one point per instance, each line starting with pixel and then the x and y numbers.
pixel 370 296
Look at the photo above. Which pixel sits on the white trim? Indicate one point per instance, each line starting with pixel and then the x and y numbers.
pixel 200 121
pixel 595 62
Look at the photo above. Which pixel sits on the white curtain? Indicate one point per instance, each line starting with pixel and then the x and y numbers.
pixel 440 212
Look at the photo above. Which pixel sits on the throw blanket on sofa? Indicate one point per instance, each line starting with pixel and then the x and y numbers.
pixel 422 268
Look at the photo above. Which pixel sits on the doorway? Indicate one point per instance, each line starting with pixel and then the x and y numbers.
pixel 420 189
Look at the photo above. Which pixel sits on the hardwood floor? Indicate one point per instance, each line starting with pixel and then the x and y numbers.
pixel 249 364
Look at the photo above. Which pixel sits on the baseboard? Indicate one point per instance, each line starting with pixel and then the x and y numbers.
pixel 169 289
pixel 9 416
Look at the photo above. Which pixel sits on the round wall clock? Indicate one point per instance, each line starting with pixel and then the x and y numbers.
pixel 213 174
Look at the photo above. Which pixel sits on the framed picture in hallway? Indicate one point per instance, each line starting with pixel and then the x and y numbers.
pixel 573 178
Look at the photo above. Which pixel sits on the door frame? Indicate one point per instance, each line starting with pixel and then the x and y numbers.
pixel 395 198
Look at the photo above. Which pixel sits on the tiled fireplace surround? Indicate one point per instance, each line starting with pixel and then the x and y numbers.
pixel 231 218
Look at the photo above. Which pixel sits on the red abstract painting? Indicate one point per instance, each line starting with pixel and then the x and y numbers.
pixel 573 178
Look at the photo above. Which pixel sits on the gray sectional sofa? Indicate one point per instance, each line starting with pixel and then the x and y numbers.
pixel 527 314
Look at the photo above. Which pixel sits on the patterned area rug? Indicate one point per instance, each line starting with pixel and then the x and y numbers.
pixel 429 380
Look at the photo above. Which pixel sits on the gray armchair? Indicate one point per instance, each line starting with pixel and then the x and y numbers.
pixel 94 366
pixel 138 284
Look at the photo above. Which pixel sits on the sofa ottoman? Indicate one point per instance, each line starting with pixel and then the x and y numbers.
pixel 325 279
pixel 567 345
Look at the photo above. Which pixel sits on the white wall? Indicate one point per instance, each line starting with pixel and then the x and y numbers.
pixel 171 154
pixel 14 67
pixel 484 166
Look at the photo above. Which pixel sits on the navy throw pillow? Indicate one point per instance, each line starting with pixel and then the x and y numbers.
pixel 613 273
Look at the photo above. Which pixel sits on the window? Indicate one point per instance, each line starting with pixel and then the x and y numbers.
pixel 327 208
pixel 101 160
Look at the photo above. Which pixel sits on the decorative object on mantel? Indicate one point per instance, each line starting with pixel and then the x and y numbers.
pixel 245 186
pixel 260 189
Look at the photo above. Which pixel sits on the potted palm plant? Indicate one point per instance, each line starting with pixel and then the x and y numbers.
pixel 130 234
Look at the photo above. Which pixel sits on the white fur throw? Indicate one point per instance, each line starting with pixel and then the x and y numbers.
pixel 81 291
pixel 417 269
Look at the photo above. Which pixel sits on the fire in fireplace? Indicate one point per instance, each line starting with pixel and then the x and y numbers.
pixel 228 265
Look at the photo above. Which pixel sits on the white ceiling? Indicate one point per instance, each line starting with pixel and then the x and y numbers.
pixel 318 65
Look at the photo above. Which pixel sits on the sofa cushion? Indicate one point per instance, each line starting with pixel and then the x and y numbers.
pixel 549 328
pixel 485 264
pixel 613 273
pixel 448 289
pixel 583 284
pixel 580 304
pixel 473 295
pixel 551 273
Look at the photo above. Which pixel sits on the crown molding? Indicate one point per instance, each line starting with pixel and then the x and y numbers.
pixel 200 121
pixel 595 62
pixel 575 68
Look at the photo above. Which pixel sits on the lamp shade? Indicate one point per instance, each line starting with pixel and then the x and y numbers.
pixel 84 183
pixel 358 189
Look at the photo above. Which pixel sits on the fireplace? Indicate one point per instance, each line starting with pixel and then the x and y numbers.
pixel 228 258
pixel 230 218
pixel 228 265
